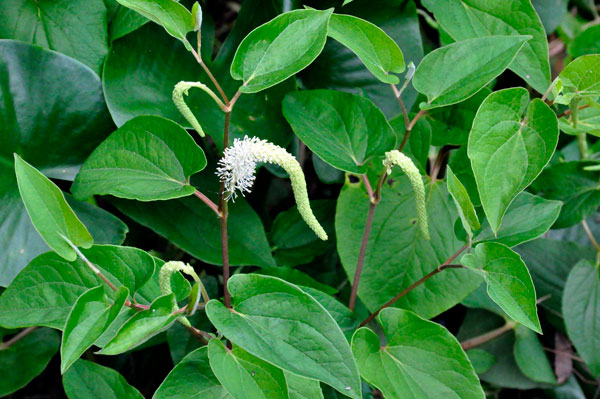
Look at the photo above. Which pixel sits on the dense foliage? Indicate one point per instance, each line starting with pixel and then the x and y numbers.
pixel 274 200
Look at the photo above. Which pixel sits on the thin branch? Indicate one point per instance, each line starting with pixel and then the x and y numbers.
pixel 409 127
pixel 224 214
pixel 361 254
pixel 590 235
pixel 568 112
pixel 208 202
pixel 210 76
pixel 202 336
pixel 446 265
pixel 566 354
pixel 22 334
pixel 482 339
pixel 367 184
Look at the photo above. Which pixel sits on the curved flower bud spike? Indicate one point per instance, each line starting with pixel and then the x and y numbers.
pixel 182 88
pixel 395 157
pixel 164 281
pixel 238 166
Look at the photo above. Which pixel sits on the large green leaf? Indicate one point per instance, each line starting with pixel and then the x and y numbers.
pixel 90 317
pixel 421 359
pixel 42 91
pixel 346 319
pixel 467 19
pixel 343 129
pixel 280 48
pixel 172 16
pixel 278 322
pixel 510 143
pixel 587 42
pixel 77 28
pixel 531 358
pixel 581 309
pixel 148 158
pixel 508 281
pixel 45 291
pixel 50 213
pixel 192 378
pixel 397 254
pixel 527 217
pixel 142 326
pixel 25 359
pixel 302 388
pixel 90 380
pixel 581 78
pixel 245 376
pixel 475 63
pixel 380 54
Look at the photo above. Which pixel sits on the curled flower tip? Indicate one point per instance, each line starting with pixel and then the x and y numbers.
pixel 238 166
pixel 182 89
pixel 395 157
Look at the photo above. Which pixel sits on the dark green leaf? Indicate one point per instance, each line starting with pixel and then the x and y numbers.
pixel 587 42
pixel 346 319
pixel 481 360
pixel 531 358
pixel 551 12
pixel 86 380
pixel 296 277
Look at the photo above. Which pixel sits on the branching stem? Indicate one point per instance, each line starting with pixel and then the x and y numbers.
pixel 22 334
pixel 482 339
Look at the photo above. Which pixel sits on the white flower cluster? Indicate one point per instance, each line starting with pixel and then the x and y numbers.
pixel 237 171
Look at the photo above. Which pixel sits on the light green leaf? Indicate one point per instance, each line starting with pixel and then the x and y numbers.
pixel 380 54
pixel 420 360
pixel 531 358
pixel 302 388
pixel 26 359
pixel 475 63
pixel 142 326
pixel 345 130
pixel 467 19
pixel 148 158
pixel 192 378
pixel 90 317
pixel 50 213
pixel 581 309
pixel 245 376
pixel 296 277
pixel 86 380
pixel 508 281
pixel 280 48
pixel 581 78
pixel 510 143
pixel 526 218
pixel 481 360
pixel 172 16
pixel 281 324
pixel 588 121
pixel 459 194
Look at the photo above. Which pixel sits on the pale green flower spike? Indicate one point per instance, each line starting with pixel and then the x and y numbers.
pixel 238 166
pixel 395 157
pixel 182 88
pixel 164 281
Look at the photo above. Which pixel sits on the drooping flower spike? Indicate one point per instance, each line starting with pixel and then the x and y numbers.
pixel 237 171
pixel 182 89
pixel 395 157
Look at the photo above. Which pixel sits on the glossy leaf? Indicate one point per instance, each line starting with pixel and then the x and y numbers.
pixel 421 359
pixel 580 308
pixel 246 376
pixel 280 48
pixel 380 54
pixel 531 358
pixel 512 140
pixel 148 158
pixel 459 194
pixel 476 62
pixel 90 317
pixel 90 380
pixel 279 323
pixel 344 130
pixel 26 359
pixel 467 19
pixel 192 378
pixel 508 281
pixel 142 326
pixel 50 213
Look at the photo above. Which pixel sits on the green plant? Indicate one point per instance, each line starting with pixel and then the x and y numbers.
pixel 450 223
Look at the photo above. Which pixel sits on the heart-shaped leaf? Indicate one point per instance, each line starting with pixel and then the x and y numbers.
pixel 511 141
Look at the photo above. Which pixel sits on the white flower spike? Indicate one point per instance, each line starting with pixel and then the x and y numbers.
pixel 395 157
pixel 238 166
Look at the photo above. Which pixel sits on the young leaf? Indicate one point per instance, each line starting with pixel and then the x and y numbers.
pixel 475 63
pixel 508 281
pixel 281 324
pixel 467 19
pixel 192 378
pixel 531 358
pixel 420 360
pixel 245 376
pixel 50 214
pixel 169 14
pixel 380 54
pixel 588 121
pixel 280 48
pixel 581 78
pixel 90 380
pixel 510 143
pixel 142 326
pixel 26 359
pixel 345 130
pixel 148 158
pixel 581 310
pixel 459 194
pixel 90 317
